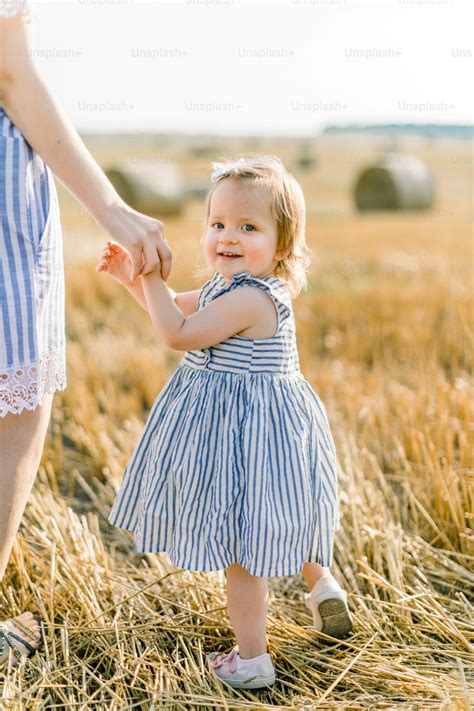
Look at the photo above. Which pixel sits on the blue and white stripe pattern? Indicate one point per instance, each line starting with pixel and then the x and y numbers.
pixel 236 462
pixel 32 338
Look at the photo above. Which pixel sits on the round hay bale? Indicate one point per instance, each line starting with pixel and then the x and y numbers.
pixel 197 188
pixel 306 161
pixel 395 182
pixel 152 189
pixel 306 158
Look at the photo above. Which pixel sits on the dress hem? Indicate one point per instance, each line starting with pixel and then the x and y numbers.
pixel 32 405
pixel 24 385
pixel 188 565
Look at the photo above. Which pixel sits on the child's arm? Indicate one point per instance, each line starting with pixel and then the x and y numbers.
pixel 232 312
pixel 117 263
pixel 136 290
pixel 186 301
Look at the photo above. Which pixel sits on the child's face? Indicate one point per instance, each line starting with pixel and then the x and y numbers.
pixel 240 222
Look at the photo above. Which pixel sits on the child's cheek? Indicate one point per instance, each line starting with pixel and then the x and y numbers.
pixel 210 247
pixel 255 249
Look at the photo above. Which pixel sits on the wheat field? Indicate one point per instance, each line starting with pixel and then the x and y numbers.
pixel 385 335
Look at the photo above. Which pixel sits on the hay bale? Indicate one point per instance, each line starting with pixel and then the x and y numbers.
pixel 153 189
pixel 203 150
pixel 306 158
pixel 395 182
pixel 306 161
pixel 197 188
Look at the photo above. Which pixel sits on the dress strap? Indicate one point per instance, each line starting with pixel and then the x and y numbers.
pixel 274 287
pixel 206 289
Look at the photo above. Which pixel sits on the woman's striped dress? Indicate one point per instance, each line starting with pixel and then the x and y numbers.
pixel 32 339
pixel 236 462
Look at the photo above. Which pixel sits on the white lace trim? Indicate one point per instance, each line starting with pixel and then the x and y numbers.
pixel 23 387
pixel 8 8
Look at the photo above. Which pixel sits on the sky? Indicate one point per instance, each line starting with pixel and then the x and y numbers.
pixel 236 67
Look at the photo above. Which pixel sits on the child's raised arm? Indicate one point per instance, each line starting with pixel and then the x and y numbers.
pixel 232 312
pixel 186 301
pixel 117 263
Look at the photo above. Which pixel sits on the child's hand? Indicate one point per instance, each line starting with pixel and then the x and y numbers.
pixel 117 262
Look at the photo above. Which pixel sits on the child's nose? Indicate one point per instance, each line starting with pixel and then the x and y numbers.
pixel 228 236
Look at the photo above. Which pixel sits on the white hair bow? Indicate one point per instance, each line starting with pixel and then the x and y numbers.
pixel 220 169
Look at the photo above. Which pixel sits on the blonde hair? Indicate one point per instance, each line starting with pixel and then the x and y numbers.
pixel 287 206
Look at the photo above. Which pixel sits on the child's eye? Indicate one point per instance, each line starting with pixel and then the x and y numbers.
pixel 218 224
pixel 252 228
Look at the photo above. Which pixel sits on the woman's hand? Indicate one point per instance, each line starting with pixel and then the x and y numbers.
pixel 141 236
pixel 116 261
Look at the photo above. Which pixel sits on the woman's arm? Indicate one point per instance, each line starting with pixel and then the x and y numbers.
pixel 36 112
pixel 232 312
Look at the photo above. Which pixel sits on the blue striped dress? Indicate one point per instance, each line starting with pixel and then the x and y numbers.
pixel 32 337
pixel 236 462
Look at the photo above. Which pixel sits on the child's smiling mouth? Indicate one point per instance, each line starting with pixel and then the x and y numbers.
pixel 228 255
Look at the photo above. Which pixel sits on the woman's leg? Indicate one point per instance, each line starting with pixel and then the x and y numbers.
pixel 21 444
pixel 247 602
pixel 312 572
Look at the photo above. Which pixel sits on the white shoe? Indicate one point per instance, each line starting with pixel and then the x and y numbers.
pixel 328 604
pixel 240 673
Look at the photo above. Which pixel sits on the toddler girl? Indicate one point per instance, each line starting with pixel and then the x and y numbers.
pixel 236 467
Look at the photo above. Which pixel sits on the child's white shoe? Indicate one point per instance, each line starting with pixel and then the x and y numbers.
pixel 328 604
pixel 240 673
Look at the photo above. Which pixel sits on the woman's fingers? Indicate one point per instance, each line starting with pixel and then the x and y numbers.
pixel 166 258
pixel 137 262
pixel 156 252
pixel 150 259
pixel 153 255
